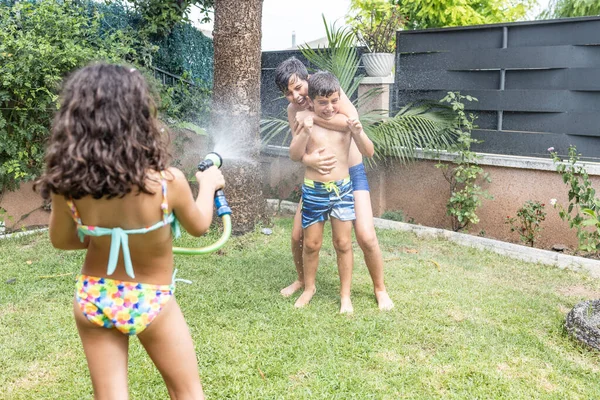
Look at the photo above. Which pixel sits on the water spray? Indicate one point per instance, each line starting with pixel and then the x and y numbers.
pixel 223 211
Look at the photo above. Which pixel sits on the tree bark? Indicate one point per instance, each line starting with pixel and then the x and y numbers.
pixel 235 112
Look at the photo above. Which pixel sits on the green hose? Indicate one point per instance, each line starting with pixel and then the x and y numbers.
pixel 190 251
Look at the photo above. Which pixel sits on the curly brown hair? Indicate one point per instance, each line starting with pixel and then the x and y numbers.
pixel 105 137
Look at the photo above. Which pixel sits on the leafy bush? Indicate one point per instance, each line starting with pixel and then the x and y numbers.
pixel 375 23
pixel 39 44
pixel 393 215
pixel 529 217
pixel 584 206
pixel 184 103
pixel 464 177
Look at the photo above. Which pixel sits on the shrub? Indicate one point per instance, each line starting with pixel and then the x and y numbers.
pixel 583 208
pixel 40 43
pixel 529 217
pixel 464 177
pixel 393 215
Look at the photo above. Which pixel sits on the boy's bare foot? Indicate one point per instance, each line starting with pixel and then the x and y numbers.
pixel 346 306
pixel 384 301
pixel 305 298
pixel 293 288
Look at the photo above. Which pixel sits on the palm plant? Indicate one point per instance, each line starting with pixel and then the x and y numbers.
pixel 422 126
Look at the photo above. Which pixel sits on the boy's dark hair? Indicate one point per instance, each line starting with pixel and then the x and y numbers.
pixel 105 136
pixel 286 70
pixel 323 83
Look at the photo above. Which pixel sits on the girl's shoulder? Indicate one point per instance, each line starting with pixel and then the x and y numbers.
pixel 174 175
pixel 177 182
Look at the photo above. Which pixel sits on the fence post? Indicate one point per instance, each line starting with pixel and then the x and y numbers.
pixel 379 101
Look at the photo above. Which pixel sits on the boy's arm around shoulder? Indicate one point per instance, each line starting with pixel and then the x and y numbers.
pixel 301 134
pixel 62 229
pixel 339 121
pixel 194 215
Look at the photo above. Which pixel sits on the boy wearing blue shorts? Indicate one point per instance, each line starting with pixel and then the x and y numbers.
pixel 291 77
pixel 330 194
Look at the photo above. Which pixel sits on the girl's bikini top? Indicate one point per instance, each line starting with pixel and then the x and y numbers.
pixel 119 237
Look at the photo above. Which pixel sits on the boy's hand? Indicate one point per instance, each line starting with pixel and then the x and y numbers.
pixel 322 163
pixel 308 124
pixel 212 176
pixel 355 126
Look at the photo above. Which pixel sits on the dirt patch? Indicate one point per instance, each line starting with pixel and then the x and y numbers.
pixel 579 291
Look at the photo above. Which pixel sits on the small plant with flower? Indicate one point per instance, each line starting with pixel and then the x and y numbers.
pixel 582 213
pixel 527 222
pixel 295 194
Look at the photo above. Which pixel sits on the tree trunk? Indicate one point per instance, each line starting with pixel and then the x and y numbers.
pixel 235 113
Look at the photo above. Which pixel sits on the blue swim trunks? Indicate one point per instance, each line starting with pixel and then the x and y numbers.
pixel 321 199
pixel 358 176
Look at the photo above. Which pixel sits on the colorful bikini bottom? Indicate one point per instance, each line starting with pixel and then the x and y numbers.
pixel 127 306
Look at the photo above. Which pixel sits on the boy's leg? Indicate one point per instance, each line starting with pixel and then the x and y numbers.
pixel 313 238
pixel 106 354
pixel 169 344
pixel 297 235
pixel 367 240
pixel 342 242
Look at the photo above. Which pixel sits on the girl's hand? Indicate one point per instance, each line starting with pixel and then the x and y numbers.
pixel 322 163
pixel 212 176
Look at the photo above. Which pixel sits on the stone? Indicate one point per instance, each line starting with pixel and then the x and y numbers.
pixel 560 247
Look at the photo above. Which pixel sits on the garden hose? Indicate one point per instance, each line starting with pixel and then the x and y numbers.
pixel 223 211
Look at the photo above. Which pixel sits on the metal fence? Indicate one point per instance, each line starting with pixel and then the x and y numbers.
pixel 538 83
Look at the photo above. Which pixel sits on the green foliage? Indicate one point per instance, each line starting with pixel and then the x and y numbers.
pixel 392 215
pixel 375 23
pixel 186 51
pixel 161 16
pixel 39 44
pixel 583 208
pixel 182 48
pixel 414 126
pixel 183 103
pixel 529 217
pixel 423 14
pixel 340 57
pixel 466 193
pixel 571 8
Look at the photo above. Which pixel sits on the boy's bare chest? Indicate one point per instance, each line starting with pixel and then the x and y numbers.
pixel 320 137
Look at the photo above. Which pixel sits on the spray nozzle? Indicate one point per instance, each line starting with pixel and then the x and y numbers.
pixel 220 201
pixel 210 160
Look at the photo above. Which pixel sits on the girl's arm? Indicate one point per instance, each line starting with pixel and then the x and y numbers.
pixel 195 215
pixel 62 229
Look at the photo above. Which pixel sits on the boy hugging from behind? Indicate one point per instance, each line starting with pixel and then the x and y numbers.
pixel 326 195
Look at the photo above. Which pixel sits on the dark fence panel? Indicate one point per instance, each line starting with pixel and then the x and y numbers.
pixel 538 83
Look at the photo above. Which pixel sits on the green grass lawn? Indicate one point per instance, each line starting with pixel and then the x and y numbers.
pixel 467 324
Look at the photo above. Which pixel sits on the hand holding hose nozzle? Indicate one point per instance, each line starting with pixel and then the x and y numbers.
pixel 223 211
pixel 220 201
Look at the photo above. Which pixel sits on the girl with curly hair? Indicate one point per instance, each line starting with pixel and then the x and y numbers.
pixel 114 195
